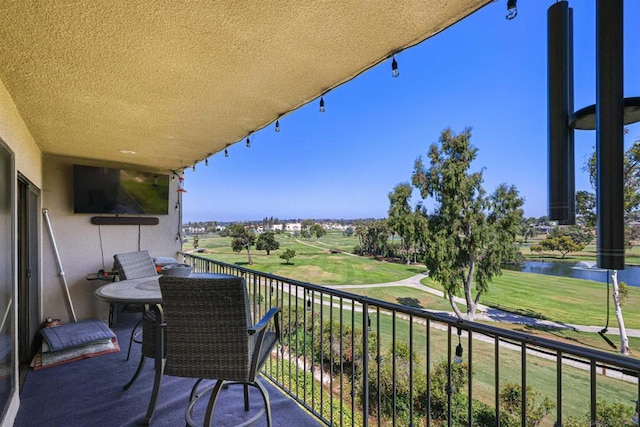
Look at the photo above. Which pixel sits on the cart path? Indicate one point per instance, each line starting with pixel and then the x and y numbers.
pixel 489 313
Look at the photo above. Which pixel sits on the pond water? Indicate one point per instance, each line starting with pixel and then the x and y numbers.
pixel 579 270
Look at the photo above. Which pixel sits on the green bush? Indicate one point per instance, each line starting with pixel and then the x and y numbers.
pixel 609 415
pixel 403 386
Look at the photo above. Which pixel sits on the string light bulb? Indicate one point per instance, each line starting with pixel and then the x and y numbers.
pixel 206 161
pixel 394 68
pixel 458 357
pixel 512 10
pixel 194 167
pixel 226 152
pixel 321 104
pixel 277 125
pixel 248 142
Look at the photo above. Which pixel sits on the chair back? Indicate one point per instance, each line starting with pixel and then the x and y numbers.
pixel 133 265
pixel 206 327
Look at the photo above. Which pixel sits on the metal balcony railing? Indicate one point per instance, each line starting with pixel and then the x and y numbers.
pixel 357 361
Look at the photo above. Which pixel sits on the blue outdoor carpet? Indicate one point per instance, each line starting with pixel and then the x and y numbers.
pixel 89 393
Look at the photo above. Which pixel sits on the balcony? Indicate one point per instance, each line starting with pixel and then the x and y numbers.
pixel 460 373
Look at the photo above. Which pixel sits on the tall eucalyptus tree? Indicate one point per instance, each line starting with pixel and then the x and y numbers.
pixel 470 233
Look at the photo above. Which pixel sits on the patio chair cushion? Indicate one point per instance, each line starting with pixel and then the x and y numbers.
pixel 76 334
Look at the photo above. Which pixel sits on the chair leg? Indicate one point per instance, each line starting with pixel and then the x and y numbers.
pixel 212 402
pixel 246 397
pixel 111 316
pixel 154 394
pixel 133 334
pixel 265 397
pixel 135 376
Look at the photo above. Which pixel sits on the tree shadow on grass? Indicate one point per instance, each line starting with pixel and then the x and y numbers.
pixel 409 302
pixel 500 310
pixel 554 332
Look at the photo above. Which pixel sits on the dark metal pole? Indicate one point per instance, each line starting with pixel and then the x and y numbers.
pixel 609 134
pixel 560 107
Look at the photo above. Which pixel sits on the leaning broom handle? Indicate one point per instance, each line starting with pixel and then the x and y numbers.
pixel 6 314
pixel 55 250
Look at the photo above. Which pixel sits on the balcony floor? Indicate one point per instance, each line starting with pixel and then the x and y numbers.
pixel 89 393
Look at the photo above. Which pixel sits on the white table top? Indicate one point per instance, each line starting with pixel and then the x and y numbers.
pixel 145 290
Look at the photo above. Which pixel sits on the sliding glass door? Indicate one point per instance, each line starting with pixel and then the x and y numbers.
pixel 7 304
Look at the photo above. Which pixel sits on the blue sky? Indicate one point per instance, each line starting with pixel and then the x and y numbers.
pixel 485 72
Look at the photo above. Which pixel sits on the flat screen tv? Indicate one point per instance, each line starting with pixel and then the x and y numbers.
pixel 99 190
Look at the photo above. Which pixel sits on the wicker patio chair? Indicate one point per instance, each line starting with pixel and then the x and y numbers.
pixel 133 265
pixel 210 335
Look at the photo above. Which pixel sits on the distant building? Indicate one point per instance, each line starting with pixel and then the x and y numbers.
pixel 293 226
pixel 189 231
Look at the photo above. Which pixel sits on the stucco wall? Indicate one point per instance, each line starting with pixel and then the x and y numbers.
pixel 86 248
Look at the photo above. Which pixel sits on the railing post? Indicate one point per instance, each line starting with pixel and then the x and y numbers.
pixel 428 369
pixel 365 365
pixel 594 413
pixel 470 376
pixel 559 389
pixel 524 383
pixel 410 370
pixel 496 360
pixel 449 376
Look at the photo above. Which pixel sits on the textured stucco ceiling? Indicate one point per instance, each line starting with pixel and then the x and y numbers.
pixel 177 80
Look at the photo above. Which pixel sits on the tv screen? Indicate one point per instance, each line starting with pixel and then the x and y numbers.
pixel 98 190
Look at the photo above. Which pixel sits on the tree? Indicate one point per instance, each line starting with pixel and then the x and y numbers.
pixel 241 239
pixel 618 301
pixel 348 231
pixel 470 233
pixel 586 209
pixel 317 230
pixel 563 244
pixel 196 242
pixel 527 228
pixel 401 217
pixel 287 255
pixel 421 229
pixel 373 238
pixel 577 233
pixel 267 242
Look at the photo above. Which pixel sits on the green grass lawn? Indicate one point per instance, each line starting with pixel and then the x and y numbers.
pixel 406 296
pixel 314 262
pixel 561 299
